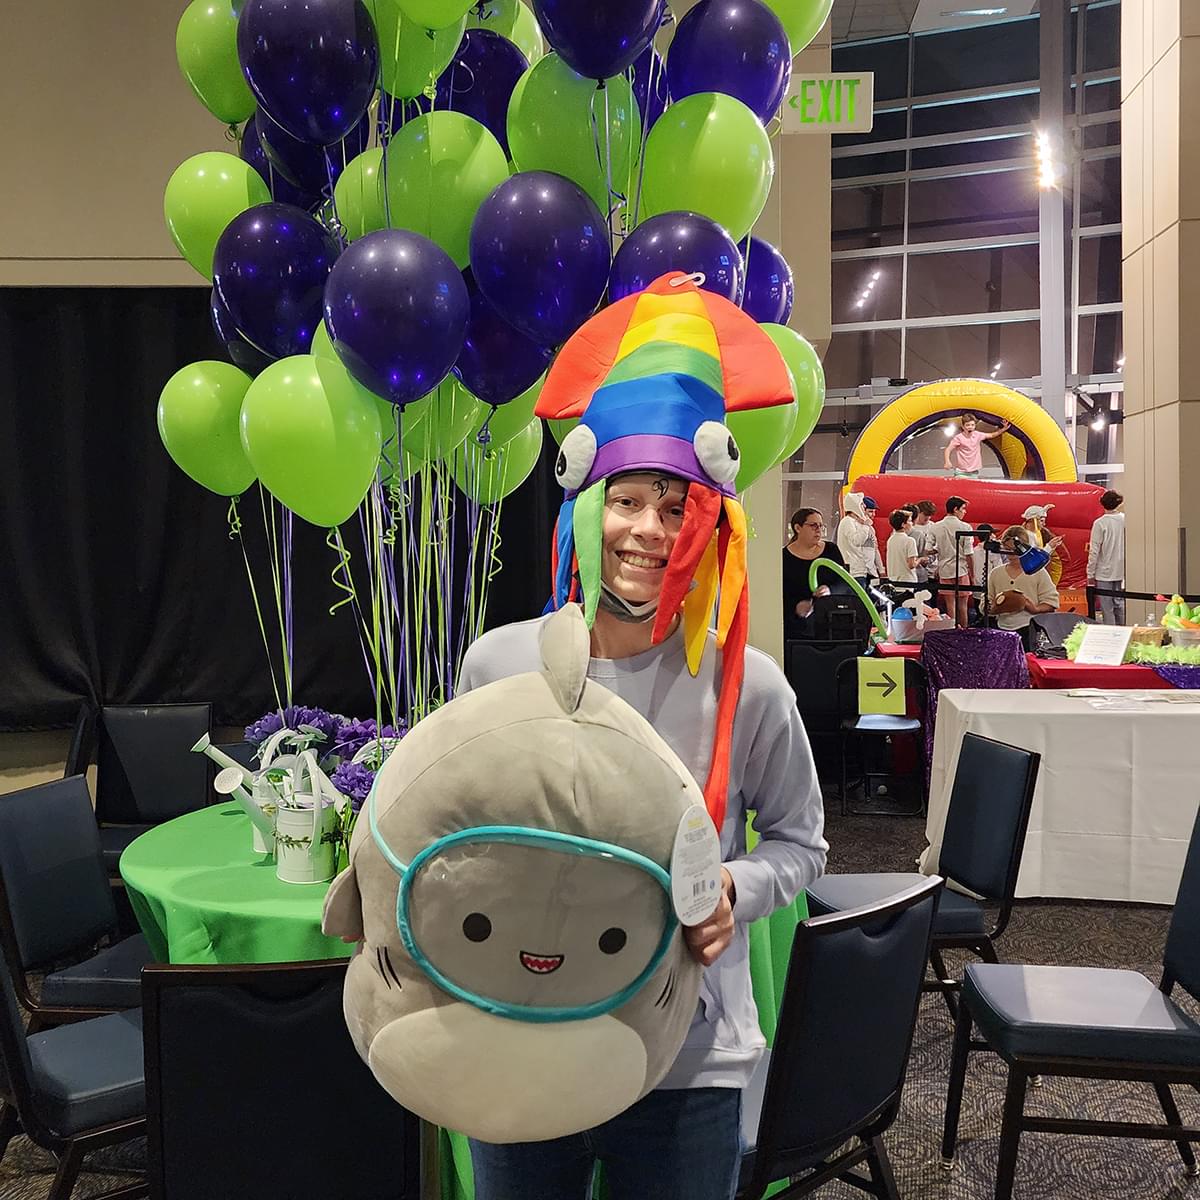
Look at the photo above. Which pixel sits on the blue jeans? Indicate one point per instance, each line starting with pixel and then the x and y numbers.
pixel 673 1144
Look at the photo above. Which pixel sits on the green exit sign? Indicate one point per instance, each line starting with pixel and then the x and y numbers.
pixel 830 104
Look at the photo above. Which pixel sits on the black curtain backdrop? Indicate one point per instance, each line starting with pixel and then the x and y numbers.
pixel 119 582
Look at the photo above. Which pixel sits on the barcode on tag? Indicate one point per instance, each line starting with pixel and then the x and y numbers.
pixel 698 889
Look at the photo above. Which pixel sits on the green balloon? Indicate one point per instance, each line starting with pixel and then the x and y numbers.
pixel 336 378
pixel 511 19
pixel 203 195
pixel 198 413
pixel 314 449
pixel 709 153
pixel 808 378
pixel 550 127
pixel 437 424
pixel 506 421
pixel 206 48
pixel 410 60
pixel 440 168
pixel 434 14
pixel 488 474
pixel 358 195
pixel 802 19
pixel 760 434
pixel 560 429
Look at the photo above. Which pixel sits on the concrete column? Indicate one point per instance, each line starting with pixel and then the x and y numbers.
pixel 1160 186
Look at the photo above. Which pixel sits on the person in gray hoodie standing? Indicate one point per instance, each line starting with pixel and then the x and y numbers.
pixel 1106 557
pixel 650 520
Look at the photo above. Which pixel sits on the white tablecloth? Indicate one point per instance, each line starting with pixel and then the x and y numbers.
pixel 1116 797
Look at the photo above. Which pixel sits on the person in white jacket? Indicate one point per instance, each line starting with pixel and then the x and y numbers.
pixel 857 541
pixel 1106 557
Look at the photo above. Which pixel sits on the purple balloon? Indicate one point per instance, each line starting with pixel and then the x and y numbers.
pixel 311 169
pixel 282 189
pixel 312 64
pixel 540 254
pixel 769 287
pixel 598 38
pixel 738 47
pixel 396 309
pixel 480 79
pixel 677 241
pixel 269 270
pixel 497 362
pixel 240 352
pixel 650 87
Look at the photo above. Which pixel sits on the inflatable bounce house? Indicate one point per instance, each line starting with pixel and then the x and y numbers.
pixel 1037 460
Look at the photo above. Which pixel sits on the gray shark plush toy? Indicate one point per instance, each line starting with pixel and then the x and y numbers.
pixel 521 973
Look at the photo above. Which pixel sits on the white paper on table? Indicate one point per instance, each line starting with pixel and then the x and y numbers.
pixel 1104 645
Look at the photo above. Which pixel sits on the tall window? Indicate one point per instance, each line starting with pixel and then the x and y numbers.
pixel 935 237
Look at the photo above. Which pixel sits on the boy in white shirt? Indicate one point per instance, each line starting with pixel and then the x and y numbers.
pixel 954 556
pixel 856 540
pixel 1106 557
pixel 902 555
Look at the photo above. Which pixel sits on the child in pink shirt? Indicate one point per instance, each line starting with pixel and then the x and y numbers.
pixel 966 448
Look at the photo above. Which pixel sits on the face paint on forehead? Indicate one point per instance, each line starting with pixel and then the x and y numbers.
pixel 661 486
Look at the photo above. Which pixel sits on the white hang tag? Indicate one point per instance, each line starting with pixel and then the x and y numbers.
pixel 696 867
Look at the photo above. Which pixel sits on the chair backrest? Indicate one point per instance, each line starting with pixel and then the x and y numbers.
pixel 1181 958
pixel 55 899
pixel 145 771
pixel 253 1088
pixel 242 753
pixel 845 1029
pixel 812 672
pixel 987 817
pixel 915 688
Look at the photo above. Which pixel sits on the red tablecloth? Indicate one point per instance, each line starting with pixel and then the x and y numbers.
pixel 1060 673
pixel 898 650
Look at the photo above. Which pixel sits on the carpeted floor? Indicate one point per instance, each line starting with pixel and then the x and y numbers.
pixel 1049 1167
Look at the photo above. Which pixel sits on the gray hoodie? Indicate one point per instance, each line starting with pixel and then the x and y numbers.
pixel 771 773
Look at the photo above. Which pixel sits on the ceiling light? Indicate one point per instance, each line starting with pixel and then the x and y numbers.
pixel 950 430
pixel 860 304
pixel 997 366
pixel 876 276
pixel 976 12
pixel 1099 423
pixel 1121 361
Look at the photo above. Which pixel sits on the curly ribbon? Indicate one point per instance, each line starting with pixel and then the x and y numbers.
pixel 234 519
pixel 879 633
pixel 333 540
pixel 395 504
pixel 495 566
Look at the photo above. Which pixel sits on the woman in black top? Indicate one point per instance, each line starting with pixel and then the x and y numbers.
pixel 807 542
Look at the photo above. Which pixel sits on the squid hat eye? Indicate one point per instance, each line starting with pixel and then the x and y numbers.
pixel 575 457
pixel 717 451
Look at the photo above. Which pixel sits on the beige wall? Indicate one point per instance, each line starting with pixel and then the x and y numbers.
pixel 1160 178
pixel 796 220
pixel 97 117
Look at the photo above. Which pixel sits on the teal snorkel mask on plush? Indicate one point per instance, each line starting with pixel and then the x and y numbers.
pixel 596 882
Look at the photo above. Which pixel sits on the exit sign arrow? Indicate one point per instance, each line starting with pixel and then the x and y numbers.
pixel 887 683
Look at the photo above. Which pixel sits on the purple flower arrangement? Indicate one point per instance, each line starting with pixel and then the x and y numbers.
pixel 336 739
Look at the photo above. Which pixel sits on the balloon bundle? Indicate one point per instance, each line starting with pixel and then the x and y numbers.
pixel 424 205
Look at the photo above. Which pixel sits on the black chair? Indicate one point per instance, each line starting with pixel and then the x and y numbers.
pixel 56 905
pixel 869 726
pixel 982 844
pixel 812 671
pixel 145 770
pixel 242 753
pixel 73 1089
pixel 229 1049
pixel 841 1049
pixel 1086 1023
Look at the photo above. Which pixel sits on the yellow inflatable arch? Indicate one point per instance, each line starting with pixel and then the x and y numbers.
pixel 1034 448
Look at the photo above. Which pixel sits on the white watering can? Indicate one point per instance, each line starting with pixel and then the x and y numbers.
pixel 306 820
pixel 230 781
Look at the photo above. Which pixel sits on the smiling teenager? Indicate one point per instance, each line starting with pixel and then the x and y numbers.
pixel 651 543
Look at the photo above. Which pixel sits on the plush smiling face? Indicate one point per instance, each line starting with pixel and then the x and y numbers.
pixel 518 924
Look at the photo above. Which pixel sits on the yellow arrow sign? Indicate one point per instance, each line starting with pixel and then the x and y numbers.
pixel 881 686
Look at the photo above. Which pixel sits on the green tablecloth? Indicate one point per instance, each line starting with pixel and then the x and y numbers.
pixel 201 895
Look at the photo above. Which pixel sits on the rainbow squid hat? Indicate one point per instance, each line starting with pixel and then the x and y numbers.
pixel 651 378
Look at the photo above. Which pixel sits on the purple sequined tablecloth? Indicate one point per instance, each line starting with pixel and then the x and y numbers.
pixel 1187 678
pixel 969 658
